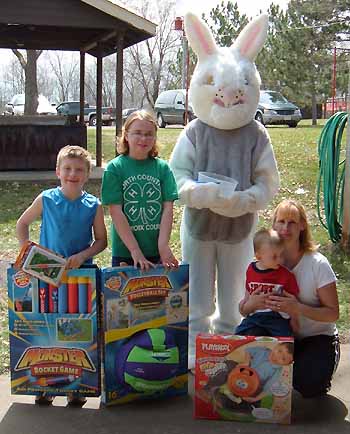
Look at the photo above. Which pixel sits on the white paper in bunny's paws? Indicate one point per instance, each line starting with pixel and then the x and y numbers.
pixel 226 184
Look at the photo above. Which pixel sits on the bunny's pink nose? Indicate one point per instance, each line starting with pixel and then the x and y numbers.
pixel 228 97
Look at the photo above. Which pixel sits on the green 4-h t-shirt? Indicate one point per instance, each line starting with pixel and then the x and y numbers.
pixel 141 187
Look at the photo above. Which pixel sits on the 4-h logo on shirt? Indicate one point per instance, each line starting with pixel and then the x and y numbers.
pixel 142 203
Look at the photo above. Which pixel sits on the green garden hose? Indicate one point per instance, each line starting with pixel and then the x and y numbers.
pixel 330 184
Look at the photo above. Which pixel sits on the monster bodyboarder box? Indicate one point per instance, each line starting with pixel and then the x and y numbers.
pixel 145 321
pixel 54 345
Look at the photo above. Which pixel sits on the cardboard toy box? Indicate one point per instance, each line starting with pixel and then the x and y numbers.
pixel 41 262
pixel 54 345
pixel 145 320
pixel 243 378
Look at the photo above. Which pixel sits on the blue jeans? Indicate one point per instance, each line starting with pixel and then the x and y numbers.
pixel 264 324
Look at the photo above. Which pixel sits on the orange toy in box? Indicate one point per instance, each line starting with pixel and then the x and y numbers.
pixel 244 378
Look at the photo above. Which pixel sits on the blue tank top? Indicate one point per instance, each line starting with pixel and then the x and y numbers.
pixel 66 226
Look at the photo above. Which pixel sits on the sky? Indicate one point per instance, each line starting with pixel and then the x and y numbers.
pixel 248 7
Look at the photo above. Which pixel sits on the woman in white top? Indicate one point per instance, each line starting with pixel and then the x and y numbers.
pixel 317 349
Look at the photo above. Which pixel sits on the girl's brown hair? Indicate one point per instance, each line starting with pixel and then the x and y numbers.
pixel 307 244
pixel 142 115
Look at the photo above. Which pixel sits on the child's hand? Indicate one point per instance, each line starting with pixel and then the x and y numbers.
pixel 75 261
pixel 255 301
pixel 167 257
pixel 139 259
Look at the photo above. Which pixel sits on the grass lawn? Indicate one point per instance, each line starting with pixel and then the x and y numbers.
pixel 296 154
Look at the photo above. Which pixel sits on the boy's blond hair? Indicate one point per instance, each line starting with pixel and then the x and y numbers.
pixel 269 236
pixel 72 151
pixel 142 115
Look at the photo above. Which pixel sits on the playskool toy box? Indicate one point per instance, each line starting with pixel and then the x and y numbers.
pixel 243 378
pixel 145 333
pixel 54 346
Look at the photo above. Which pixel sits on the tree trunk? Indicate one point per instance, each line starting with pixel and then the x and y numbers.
pixel 314 109
pixel 31 86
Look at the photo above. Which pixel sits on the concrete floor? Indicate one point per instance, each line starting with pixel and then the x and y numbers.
pixel 19 415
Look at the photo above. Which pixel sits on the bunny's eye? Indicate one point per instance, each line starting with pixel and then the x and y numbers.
pixel 209 80
pixel 246 82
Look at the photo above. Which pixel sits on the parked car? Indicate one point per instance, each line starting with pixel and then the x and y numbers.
pixel 170 108
pixel 127 112
pixel 72 109
pixel 16 106
pixel 274 108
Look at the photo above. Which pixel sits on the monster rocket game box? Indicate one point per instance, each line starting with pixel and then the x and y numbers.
pixel 243 378
pixel 54 345
pixel 145 321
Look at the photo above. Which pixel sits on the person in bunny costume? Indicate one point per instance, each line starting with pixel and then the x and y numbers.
pixel 219 221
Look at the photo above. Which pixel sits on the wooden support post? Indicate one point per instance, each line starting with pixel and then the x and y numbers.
pixel 119 88
pixel 82 87
pixel 346 197
pixel 99 109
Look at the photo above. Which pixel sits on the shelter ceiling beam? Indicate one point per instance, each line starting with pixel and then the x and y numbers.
pixel 104 38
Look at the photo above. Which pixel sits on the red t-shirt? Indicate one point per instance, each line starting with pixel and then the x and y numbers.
pixel 271 281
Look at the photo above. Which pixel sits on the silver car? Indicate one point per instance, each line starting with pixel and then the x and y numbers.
pixel 170 108
pixel 274 108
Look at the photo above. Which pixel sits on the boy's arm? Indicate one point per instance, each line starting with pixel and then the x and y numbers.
pixel 123 228
pixel 242 303
pixel 166 224
pixel 98 245
pixel 32 213
pixel 252 302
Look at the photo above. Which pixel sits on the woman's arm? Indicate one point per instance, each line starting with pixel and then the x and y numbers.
pixel 124 230
pixel 32 213
pixel 328 311
pixel 166 224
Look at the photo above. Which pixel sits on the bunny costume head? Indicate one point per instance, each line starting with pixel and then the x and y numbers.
pixel 219 219
pixel 225 85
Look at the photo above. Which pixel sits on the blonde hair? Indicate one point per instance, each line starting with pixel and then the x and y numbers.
pixel 307 244
pixel 269 236
pixel 142 115
pixel 71 151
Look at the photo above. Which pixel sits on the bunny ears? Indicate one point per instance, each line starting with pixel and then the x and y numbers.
pixel 249 42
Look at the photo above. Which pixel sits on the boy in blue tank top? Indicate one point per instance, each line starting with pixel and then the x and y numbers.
pixel 72 221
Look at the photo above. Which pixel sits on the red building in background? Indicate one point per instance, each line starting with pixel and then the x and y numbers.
pixel 331 107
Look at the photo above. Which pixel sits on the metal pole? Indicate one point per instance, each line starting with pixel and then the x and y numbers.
pixel 119 88
pixel 334 78
pixel 346 196
pixel 187 80
pixel 99 109
pixel 82 87
pixel 184 59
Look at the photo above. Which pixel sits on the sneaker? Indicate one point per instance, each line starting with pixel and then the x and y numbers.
pixel 44 399
pixel 76 400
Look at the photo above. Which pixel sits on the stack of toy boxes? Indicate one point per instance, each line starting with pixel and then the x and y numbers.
pixel 243 378
pixel 145 333
pixel 54 345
